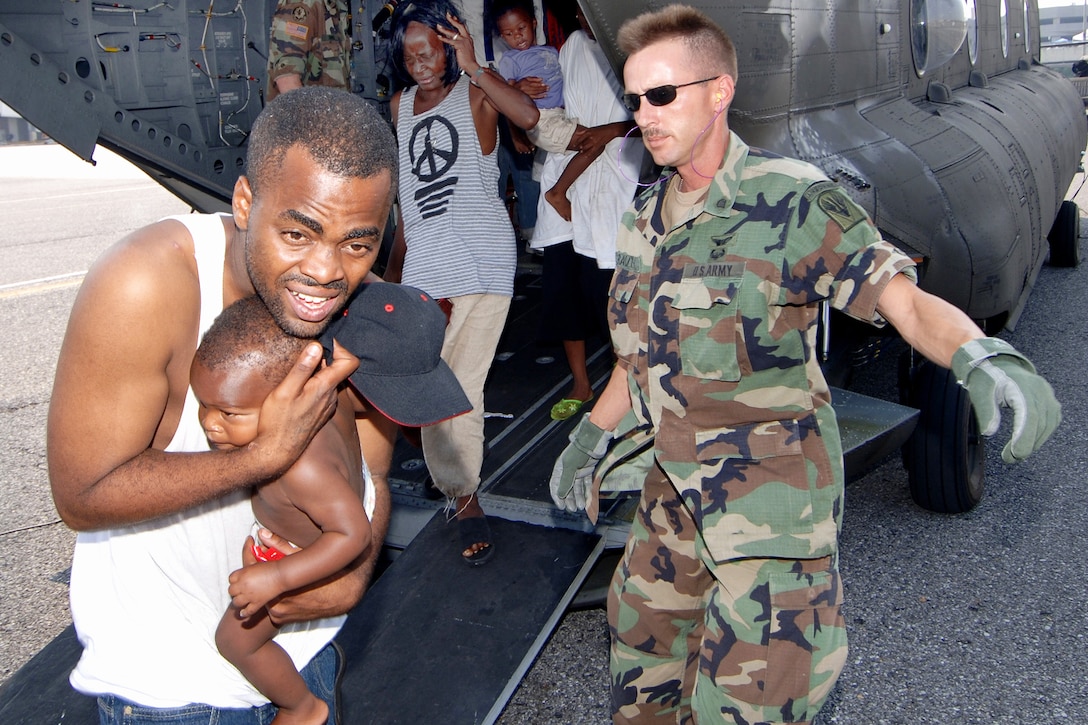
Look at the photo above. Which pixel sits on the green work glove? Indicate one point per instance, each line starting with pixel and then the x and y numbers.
pixel 997 376
pixel 572 476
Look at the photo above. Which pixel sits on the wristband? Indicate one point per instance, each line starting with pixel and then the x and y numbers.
pixel 266 553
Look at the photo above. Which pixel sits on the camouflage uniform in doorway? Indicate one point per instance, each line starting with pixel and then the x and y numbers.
pixel 727 602
pixel 311 38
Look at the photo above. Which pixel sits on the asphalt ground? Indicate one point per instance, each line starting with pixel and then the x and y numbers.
pixel 974 618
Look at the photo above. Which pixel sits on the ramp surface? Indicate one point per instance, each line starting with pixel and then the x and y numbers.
pixel 39 692
pixel 437 641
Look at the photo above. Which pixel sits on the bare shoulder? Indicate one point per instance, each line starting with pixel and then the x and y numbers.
pixel 145 290
pixel 167 242
pixel 123 367
pixel 350 398
pixel 149 265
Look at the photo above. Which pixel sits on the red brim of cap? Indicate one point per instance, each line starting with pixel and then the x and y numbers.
pixel 414 400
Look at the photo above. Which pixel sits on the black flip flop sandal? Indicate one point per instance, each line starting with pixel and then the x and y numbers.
pixel 476 530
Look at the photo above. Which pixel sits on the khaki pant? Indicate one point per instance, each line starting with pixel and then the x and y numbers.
pixel 747 641
pixel 454 449
pixel 553 131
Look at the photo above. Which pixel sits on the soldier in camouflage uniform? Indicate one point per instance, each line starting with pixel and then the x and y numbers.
pixel 310 45
pixel 726 605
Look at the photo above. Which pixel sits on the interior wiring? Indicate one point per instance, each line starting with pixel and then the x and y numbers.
pixel 100 7
pixel 224 120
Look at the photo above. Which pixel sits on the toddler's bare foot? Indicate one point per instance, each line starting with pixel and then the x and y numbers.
pixel 559 202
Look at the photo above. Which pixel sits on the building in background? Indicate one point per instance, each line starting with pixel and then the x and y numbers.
pixel 1063 23
pixel 15 129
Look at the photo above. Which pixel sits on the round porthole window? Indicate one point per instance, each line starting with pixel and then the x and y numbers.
pixel 937 30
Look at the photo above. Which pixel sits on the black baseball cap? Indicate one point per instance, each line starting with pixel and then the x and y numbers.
pixel 396 331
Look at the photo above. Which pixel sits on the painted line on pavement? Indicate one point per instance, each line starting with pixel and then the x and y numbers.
pixel 45 284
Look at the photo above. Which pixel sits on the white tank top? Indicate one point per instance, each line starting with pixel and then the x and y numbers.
pixel 146 599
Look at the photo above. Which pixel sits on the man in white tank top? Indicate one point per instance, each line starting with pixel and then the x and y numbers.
pixel 161 519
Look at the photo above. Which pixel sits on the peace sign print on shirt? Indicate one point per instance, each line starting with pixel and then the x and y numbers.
pixel 432 151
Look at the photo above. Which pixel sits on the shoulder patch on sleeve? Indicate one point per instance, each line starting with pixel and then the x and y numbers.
pixel 841 210
pixel 820 186
pixel 298 31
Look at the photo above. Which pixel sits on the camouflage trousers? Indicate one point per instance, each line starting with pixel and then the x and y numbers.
pixel 746 641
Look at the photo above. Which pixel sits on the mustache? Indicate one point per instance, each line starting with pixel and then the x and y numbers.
pixel 336 285
pixel 652 132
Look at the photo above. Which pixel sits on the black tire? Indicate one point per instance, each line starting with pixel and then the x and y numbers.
pixel 945 455
pixel 1064 236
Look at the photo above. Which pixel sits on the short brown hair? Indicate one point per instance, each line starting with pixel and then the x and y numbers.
pixel 706 42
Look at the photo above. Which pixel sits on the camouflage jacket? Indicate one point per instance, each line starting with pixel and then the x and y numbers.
pixel 313 39
pixel 716 322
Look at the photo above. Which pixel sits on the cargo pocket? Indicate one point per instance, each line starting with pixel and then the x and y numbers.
pixel 708 328
pixel 754 481
pixel 806 649
pixel 624 316
pixel 623 286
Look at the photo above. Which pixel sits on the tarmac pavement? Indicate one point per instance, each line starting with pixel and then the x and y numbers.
pixel 975 618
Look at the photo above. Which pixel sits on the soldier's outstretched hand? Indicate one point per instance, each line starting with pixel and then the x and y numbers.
pixel 997 376
pixel 572 476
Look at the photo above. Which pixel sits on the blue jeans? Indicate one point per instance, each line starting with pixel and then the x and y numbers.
pixel 322 676
pixel 519 168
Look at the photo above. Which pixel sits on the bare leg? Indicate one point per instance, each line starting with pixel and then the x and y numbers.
pixel 557 195
pixel 248 645
pixel 576 359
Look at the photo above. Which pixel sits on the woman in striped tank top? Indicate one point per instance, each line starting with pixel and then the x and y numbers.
pixel 454 238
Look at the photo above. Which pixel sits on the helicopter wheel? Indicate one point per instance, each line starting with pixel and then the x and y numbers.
pixel 945 455
pixel 1064 236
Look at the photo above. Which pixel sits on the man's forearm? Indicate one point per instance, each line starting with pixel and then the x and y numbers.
pixel 154 484
pixel 614 402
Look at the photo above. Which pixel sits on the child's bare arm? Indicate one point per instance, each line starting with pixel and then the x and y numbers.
pixel 593 139
pixel 321 491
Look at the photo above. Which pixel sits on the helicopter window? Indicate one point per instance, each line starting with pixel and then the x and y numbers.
pixel 972 31
pixel 1004 28
pixel 937 30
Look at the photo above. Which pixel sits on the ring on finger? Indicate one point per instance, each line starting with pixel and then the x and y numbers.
pixel 456 36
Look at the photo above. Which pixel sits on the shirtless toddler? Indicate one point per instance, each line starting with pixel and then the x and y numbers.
pixel 316 504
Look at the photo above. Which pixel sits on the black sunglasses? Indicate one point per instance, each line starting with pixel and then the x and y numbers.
pixel 660 96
